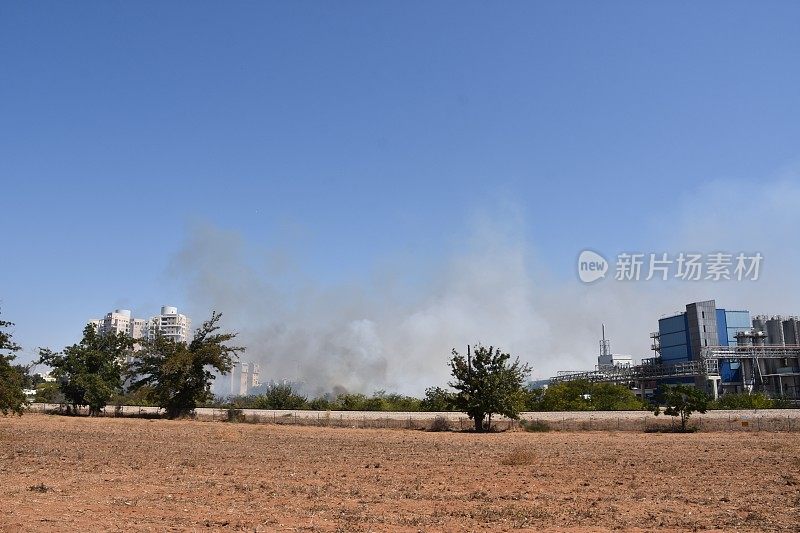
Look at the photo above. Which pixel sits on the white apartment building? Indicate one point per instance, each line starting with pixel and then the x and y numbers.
pixel 120 321
pixel 169 323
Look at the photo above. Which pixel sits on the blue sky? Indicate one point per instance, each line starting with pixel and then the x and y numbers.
pixel 350 135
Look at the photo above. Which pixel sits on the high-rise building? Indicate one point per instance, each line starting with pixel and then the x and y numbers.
pixel 169 323
pixel 244 377
pixel 120 321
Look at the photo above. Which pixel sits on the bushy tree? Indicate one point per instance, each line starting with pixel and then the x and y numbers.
pixel 583 395
pixel 532 399
pixel 377 402
pixel 487 383
pixel 48 393
pixel 613 397
pixel 29 380
pixel 90 372
pixel 350 401
pixel 284 396
pixel 756 400
pixel 12 397
pixel 437 400
pixel 280 396
pixel 382 401
pixel 681 400
pixel 178 375
pixel 321 403
pixel 566 396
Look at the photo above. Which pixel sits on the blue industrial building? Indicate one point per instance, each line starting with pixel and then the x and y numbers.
pixel 683 335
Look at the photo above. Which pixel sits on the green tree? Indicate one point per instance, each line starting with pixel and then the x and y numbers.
pixel 350 402
pixel 178 375
pixel 487 383
pixel 12 398
pixel 437 400
pixel 90 372
pixel 48 393
pixel 755 400
pixel 682 400
pixel 321 403
pixel 280 396
pixel 532 399
pixel 29 381
pixel 613 397
pixel 583 395
pixel 567 396
pixel 398 402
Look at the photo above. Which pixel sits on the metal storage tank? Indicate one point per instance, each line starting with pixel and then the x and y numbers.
pixel 791 331
pixel 760 323
pixel 775 331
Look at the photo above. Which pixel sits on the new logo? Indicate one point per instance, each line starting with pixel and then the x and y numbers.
pixel 591 266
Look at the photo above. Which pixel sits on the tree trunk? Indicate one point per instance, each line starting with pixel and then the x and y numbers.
pixel 479 423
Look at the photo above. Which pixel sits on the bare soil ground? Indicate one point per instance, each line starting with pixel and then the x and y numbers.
pixel 78 474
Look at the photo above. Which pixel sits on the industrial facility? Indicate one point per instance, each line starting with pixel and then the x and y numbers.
pixel 722 351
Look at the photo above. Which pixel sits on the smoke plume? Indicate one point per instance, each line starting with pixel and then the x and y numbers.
pixel 396 334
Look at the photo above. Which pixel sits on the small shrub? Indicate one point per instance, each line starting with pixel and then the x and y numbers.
pixel 149 416
pixel 440 423
pixel 535 426
pixel 669 429
pixel 41 488
pixel 235 415
pixel 756 400
pixel 519 457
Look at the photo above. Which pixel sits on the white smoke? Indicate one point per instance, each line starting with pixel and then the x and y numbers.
pixel 397 334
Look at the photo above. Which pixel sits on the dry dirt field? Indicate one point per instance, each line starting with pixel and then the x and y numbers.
pixel 79 474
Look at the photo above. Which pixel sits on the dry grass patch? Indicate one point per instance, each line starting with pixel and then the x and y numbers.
pixel 520 456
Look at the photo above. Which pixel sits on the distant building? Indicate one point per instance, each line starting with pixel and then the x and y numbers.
pixel 46 377
pixel 538 384
pixel 682 336
pixel 169 323
pixel 607 359
pixel 779 330
pixel 120 321
pixel 244 379
pixel 722 351
pixel 791 331
pixel 297 386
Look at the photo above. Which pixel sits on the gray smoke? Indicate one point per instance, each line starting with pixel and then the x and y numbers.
pixel 396 334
